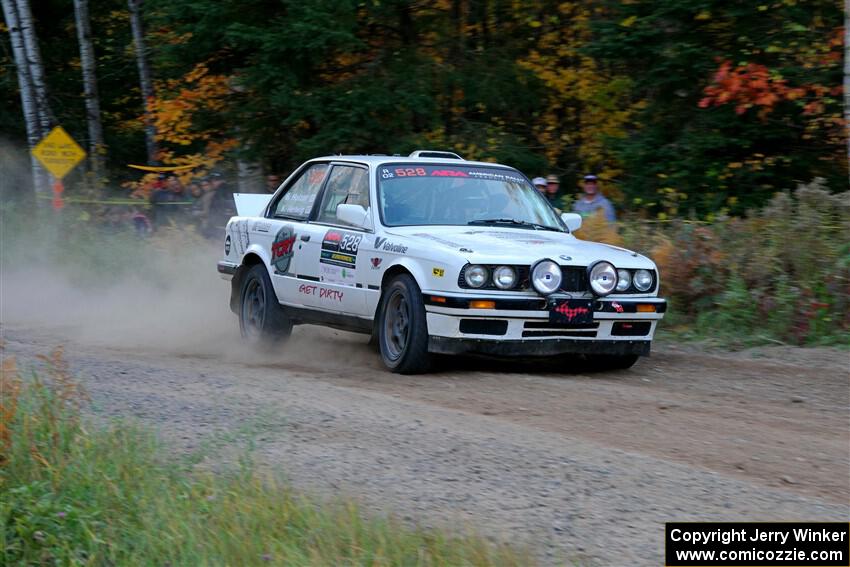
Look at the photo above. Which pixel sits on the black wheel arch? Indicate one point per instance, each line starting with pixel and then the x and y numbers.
pixel 248 261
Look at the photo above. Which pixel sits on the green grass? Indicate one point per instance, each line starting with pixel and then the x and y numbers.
pixel 72 493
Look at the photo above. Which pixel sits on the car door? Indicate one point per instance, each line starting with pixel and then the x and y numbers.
pixel 285 231
pixel 331 255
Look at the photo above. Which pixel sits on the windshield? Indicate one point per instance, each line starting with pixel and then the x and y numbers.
pixel 455 194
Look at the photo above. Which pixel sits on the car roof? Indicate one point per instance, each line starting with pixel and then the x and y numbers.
pixel 377 160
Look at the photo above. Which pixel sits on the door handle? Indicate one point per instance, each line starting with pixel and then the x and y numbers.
pixel 305 237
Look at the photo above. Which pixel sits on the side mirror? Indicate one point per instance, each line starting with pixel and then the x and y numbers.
pixel 572 220
pixel 354 215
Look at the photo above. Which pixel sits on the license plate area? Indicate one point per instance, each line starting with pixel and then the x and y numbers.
pixel 571 312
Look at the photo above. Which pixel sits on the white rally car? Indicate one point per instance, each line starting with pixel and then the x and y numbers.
pixel 431 253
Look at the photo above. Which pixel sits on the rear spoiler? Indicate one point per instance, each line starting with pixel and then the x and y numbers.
pixel 250 204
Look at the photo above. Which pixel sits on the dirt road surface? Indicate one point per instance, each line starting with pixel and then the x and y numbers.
pixel 579 467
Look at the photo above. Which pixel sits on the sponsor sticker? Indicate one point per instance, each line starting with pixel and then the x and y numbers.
pixel 283 248
pixel 376 262
pixel 227 245
pixel 381 243
pixel 438 272
pixel 340 248
pixel 321 292
pixel 336 274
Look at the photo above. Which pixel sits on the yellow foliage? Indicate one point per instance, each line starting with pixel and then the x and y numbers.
pixel 594 227
pixel 585 106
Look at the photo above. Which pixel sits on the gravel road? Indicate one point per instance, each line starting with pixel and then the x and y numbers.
pixel 579 467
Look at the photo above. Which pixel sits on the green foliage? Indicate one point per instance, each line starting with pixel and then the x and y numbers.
pixel 726 156
pixel 76 493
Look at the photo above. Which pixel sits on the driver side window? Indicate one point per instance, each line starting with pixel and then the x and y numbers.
pixel 298 200
pixel 347 184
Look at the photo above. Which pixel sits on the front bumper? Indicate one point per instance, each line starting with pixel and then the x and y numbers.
pixel 549 347
pixel 522 328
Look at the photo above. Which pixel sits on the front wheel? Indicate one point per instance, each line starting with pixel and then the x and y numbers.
pixel 262 321
pixel 403 330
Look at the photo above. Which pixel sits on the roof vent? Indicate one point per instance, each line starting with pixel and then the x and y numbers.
pixel 434 154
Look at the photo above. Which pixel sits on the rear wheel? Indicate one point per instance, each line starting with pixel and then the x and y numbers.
pixel 262 321
pixel 403 330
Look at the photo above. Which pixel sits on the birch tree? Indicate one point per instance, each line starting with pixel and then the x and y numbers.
pixel 145 83
pixel 27 92
pixel 36 67
pixel 847 76
pixel 87 62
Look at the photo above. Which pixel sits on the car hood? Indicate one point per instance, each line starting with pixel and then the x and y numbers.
pixel 491 245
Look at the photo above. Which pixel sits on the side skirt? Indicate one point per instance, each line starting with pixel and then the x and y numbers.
pixel 302 316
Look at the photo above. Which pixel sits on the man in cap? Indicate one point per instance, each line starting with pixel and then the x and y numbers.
pixel 539 184
pixel 593 200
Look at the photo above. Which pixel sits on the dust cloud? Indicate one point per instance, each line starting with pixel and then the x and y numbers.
pixel 67 279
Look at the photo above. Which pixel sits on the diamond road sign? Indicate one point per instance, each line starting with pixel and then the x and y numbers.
pixel 59 153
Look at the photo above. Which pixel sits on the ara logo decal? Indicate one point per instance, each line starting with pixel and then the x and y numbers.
pixel 382 244
pixel 376 263
pixel 571 312
pixel 283 249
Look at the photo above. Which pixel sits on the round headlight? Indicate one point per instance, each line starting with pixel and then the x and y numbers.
pixel 504 277
pixel 475 276
pixel 603 278
pixel 624 280
pixel 546 277
pixel 643 280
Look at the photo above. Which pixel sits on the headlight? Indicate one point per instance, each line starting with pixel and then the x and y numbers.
pixel 546 277
pixel 603 278
pixel 475 276
pixel 643 280
pixel 624 280
pixel 504 277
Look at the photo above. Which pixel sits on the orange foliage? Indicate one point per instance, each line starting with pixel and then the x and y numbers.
pixel 747 86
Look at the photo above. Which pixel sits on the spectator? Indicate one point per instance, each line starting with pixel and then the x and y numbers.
pixel 540 184
pixel 593 200
pixel 552 187
pixel 272 182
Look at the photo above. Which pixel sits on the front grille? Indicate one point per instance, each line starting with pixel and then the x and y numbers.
pixel 574 278
pixel 547 329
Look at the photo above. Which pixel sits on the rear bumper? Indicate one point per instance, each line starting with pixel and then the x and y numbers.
pixel 448 345
pixel 227 269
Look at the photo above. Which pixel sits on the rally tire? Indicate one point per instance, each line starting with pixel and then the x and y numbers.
pixel 262 321
pixel 402 328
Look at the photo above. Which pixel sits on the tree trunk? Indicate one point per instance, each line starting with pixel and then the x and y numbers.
pixel 45 116
pixel 87 62
pixel 847 77
pixel 144 75
pixel 28 102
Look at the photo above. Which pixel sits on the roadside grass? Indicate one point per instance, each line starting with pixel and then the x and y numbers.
pixel 74 493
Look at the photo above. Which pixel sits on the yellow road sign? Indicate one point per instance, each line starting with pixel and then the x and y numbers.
pixel 58 152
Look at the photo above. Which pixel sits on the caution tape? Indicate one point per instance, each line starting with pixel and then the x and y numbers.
pixel 116 201
pixel 163 168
